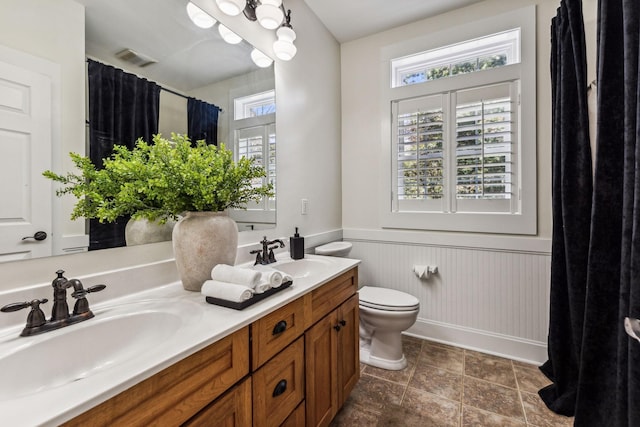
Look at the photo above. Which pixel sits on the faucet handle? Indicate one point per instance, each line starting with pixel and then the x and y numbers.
pixel 258 253
pixel 81 293
pixel 36 315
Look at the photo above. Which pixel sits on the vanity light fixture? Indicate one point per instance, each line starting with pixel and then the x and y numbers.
pixel 199 16
pixel 260 59
pixel 231 7
pixel 284 47
pixel 270 14
pixel 228 35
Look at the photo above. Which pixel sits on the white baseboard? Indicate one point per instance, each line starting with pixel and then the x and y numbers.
pixel 486 342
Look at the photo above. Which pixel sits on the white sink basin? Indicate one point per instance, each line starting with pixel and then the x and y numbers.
pixel 305 267
pixel 116 335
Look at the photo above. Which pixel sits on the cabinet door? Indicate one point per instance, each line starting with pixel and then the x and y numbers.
pixel 231 410
pixel 321 343
pixel 348 348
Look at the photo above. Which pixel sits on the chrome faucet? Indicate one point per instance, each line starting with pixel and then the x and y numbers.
pixel 265 255
pixel 60 316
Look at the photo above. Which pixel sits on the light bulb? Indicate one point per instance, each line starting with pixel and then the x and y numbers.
pixel 228 35
pixel 260 59
pixel 231 7
pixel 284 49
pixel 199 17
pixel 269 14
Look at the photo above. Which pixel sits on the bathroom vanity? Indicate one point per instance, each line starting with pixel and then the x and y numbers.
pixel 290 360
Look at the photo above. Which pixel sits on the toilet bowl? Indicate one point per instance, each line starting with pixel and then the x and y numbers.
pixel 384 315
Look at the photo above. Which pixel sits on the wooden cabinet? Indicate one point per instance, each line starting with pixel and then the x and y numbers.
pixel 231 410
pixel 332 355
pixel 293 367
pixel 175 394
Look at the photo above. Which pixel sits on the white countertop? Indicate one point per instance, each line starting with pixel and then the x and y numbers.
pixel 201 325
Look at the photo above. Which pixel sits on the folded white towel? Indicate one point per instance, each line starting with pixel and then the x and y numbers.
pixel 226 291
pixel 240 276
pixel 262 286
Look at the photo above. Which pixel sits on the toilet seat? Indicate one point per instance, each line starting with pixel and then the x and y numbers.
pixel 387 299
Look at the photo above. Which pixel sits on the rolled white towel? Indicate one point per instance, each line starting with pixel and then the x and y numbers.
pixel 262 286
pixel 286 277
pixel 226 291
pixel 231 274
pixel 273 278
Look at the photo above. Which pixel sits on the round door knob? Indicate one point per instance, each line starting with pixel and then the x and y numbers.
pixel 40 235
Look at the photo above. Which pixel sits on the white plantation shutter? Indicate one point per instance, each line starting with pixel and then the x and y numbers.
pixel 259 143
pixel 485 148
pixel 458 162
pixel 419 166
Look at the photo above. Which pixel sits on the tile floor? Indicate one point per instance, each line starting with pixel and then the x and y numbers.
pixel 449 386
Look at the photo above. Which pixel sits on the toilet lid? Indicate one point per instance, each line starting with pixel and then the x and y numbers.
pixel 387 299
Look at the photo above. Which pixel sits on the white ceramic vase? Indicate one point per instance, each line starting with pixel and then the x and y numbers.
pixel 143 231
pixel 201 240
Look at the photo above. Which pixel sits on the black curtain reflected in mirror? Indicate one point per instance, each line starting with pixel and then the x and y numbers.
pixel 202 121
pixel 122 108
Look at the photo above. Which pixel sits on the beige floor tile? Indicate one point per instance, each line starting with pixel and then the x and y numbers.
pixel 442 357
pixel 373 393
pixel 399 416
pixel 352 415
pixel 492 398
pixel 489 368
pixel 433 410
pixel 401 377
pixel 474 417
pixel 437 381
pixel 530 379
pixel 539 415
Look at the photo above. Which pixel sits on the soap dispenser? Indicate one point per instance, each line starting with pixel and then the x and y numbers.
pixel 296 246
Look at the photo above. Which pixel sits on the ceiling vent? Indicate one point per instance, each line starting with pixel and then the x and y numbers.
pixel 135 58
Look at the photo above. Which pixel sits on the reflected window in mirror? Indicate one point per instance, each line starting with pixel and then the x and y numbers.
pixel 254 137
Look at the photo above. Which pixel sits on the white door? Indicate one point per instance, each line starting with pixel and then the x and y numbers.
pixel 25 152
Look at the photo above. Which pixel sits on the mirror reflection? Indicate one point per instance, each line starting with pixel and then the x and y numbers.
pixel 202 87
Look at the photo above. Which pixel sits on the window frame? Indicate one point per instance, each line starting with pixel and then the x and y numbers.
pixel 524 220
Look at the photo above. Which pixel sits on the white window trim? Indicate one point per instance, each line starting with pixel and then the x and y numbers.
pixel 523 222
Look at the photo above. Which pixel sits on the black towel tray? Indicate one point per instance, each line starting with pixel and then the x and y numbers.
pixel 246 303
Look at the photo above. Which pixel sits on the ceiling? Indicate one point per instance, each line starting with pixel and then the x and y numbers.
pixel 351 19
pixel 162 31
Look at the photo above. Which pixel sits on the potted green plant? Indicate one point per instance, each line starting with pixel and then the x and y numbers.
pixel 171 180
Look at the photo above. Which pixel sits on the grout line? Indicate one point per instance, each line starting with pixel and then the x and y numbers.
pixel 524 412
pixel 464 362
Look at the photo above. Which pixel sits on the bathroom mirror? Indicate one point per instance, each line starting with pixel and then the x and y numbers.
pixel 185 59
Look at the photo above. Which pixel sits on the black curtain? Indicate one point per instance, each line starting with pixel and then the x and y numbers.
pixel 202 121
pixel 122 108
pixel 571 201
pixel 607 387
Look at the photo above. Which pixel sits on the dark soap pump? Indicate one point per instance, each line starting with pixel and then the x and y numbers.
pixel 296 246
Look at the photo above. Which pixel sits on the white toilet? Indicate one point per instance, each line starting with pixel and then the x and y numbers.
pixel 384 314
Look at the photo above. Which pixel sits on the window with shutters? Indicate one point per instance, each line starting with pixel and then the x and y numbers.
pixel 462 134
pixel 254 133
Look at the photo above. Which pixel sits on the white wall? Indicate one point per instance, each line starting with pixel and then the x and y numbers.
pixel 491 292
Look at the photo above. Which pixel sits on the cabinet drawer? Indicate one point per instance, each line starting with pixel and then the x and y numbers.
pixel 275 331
pixel 232 409
pixel 297 418
pixel 175 394
pixel 330 295
pixel 278 386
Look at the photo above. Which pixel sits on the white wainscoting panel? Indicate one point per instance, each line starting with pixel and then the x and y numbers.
pixel 494 301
